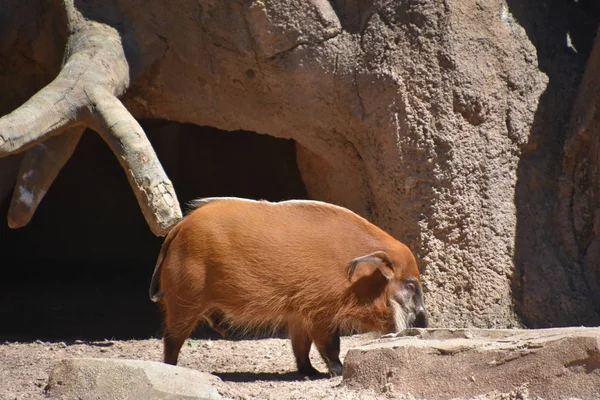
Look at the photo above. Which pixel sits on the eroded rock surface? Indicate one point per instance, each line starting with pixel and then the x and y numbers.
pixel 414 115
pixel 103 378
pixel 441 364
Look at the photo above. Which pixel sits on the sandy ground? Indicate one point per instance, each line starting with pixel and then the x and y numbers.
pixel 249 369
pixel 60 310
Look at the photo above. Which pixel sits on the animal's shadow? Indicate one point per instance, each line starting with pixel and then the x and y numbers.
pixel 266 376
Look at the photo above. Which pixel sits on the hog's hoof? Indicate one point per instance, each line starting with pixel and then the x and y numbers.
pixel 336 369
pixel 308 371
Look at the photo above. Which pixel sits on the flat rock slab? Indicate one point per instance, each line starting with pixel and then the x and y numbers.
pixel 104 378
pixel 560 363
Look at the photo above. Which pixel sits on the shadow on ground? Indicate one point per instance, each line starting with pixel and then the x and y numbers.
pixel 265 376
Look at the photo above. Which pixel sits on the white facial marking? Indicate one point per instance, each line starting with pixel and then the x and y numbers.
pixel 400 316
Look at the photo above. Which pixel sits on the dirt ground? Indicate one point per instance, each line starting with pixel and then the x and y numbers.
pixel 249 369
pixel 59 311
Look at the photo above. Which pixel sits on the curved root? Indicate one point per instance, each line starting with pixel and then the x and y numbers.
pixel 127 140
pixel 39 168
pixel 84 94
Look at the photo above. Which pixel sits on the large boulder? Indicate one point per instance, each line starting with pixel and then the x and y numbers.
pixel 442 364
pixel 110 379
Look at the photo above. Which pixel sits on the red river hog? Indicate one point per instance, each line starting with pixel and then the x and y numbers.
pixel 316 269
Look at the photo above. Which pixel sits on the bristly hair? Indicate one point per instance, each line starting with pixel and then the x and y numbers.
pixel 193 205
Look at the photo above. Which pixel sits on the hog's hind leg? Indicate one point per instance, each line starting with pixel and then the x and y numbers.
pixel 328 345
pixel 180 321
pixel 301 343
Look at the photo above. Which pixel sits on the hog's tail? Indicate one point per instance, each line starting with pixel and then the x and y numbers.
pixel 154 291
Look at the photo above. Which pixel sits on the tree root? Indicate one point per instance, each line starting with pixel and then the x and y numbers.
pixel 84 94
pixel 39 168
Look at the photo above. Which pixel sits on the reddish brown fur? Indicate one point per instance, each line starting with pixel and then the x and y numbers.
pixel 270 265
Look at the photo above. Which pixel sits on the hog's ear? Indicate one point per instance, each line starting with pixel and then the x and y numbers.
pixel 378 258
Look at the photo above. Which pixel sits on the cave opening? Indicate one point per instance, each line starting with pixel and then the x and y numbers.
pixel 81 268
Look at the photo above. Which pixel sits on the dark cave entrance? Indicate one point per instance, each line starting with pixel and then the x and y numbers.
pixel 81 268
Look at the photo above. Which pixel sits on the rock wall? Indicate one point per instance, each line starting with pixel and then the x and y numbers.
pixel 580 180
pixel 418 115
pixel 412 114
pixel 550 285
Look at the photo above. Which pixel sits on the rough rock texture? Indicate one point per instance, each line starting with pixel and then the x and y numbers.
pixel 550 286
pixel 580 183
pixel 557 363
pixel 104 378
pixel 413 114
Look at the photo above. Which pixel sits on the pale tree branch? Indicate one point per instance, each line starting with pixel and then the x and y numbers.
pixel 84 94
pixel 126 138
pixel 40 166
pixel 94 60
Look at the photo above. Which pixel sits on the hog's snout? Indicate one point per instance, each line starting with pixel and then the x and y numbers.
pixel 421 319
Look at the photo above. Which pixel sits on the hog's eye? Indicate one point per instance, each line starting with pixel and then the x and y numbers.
pixel 411 286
